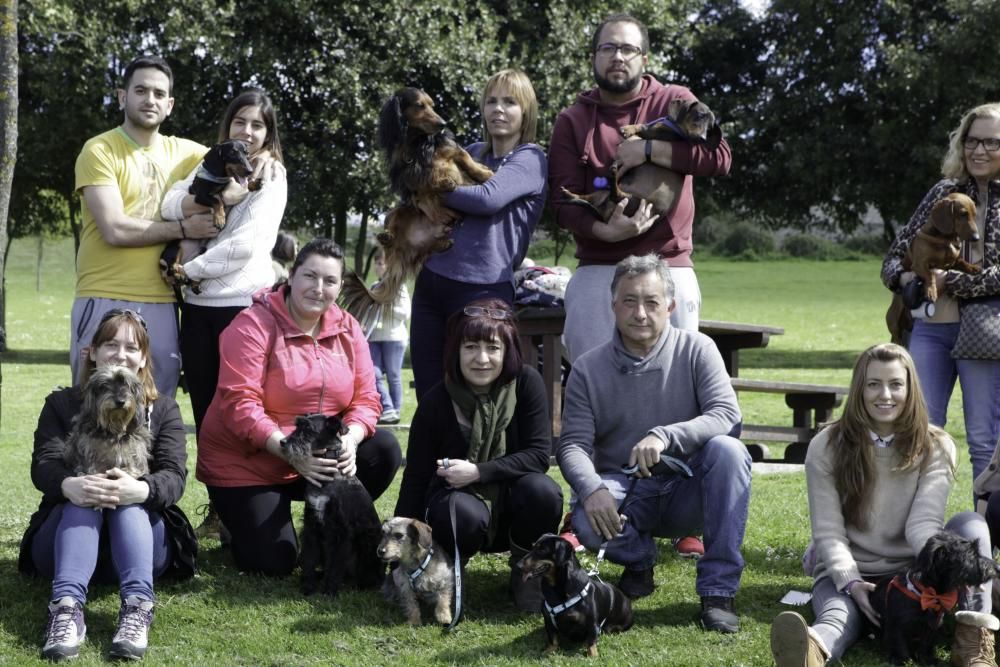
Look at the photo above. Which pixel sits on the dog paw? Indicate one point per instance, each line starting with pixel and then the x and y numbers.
pixel 630 130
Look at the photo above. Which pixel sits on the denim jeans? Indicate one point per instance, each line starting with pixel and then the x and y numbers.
pixel 930 346
pixel 387 355
pixel 715 500
pixel 67 546
pixel 839 621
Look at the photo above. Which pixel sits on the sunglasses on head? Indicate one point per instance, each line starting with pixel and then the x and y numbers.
pixel 492 313
pixel 127 312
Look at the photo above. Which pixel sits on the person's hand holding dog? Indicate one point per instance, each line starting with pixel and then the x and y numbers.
pixel 860 592
pixel 632 153
pixel 349 442
pixel 105 491
pixel 646 454
pixel 314 469
pixel 457 472
pixel 602 512
pixel 199 226
pixel 620 226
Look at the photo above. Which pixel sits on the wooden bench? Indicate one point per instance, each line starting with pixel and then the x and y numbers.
pixel 811 404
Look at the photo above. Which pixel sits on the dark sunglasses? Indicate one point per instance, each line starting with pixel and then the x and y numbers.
pixel 115 312
pixel 492 313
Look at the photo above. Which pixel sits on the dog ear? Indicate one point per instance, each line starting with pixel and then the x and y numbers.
pixel 335 424
pixel 384 238
pixel 421 533
pixel 391 125
pixel 714 137
pixel 942 217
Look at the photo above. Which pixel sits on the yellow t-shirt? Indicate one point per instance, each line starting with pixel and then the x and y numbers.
pixel 142 175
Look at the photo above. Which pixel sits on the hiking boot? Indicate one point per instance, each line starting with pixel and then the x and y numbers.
pixel 792 645
pixel 719 614
pixel 65 630
pixel 211 527
pixel 973 645
pixel 637 583
pixel 132 636
pixel 689 547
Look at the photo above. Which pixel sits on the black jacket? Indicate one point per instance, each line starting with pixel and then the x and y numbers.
pixel 166 479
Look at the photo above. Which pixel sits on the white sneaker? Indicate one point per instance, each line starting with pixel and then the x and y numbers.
pixel 65 630
pixel 390 416
pixel 132 636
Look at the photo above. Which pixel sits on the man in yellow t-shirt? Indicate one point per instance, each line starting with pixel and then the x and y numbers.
pixel 121 176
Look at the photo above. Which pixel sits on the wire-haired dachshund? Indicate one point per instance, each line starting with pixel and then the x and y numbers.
pixel 424 573
pixel 937 245
pixel 424 163
pixel 686 120
pixel 223 161
pixel 577 607
pixel 912 603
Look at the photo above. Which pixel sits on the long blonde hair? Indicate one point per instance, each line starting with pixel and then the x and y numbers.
pixel 953 165
pixel 519 86
pixel 853 458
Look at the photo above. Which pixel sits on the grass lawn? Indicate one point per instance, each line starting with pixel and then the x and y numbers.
pixel 830 311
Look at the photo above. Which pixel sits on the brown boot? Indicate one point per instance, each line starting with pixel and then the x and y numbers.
pixel 973 645
pixel 792 645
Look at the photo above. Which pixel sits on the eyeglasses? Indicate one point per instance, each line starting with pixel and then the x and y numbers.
pixel 990 145
pixel 492 313
pixel 628 51
pixel 115 312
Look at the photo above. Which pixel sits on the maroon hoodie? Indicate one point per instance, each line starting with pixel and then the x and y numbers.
pixel 584 143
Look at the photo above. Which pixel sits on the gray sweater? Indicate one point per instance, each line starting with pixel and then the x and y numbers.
pixel 680 392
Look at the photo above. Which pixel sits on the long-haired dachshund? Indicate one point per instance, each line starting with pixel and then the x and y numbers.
pixel 424 163
pixel 686 120
pixel 937 245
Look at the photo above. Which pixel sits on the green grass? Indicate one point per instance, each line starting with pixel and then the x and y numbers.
pixel 830 311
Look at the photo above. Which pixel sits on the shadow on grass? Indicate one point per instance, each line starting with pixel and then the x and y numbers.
pixel 51 357
pixel 798 358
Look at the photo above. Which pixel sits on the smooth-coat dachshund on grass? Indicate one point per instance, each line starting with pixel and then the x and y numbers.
pixel 424 163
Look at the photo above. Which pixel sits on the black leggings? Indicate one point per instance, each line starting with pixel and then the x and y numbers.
pixel 200 330
pixel 532 506
pixel 259 518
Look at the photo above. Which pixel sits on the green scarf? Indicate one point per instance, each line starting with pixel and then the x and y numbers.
pixel 489 415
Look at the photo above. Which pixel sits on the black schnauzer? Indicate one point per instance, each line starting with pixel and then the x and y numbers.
pixel 577 607
pixel 912 603
pixel 341 532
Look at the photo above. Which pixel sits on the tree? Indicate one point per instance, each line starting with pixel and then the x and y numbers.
pixel 8 141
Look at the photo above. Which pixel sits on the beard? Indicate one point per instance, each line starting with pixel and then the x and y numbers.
pixel 610 86
pixel 140 119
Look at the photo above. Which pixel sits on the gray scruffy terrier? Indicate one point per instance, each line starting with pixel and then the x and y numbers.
pixel 424 572
pixel 341 529
pixel 110 431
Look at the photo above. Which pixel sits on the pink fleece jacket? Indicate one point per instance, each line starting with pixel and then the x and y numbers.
pixel 272 372
pixel 584 143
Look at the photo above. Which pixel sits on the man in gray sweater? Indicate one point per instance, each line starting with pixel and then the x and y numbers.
pixel 651 391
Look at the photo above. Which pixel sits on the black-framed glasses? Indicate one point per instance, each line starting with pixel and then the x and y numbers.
pixel 609 49
pixel 492 313
pixel 127 312
pixel 990 144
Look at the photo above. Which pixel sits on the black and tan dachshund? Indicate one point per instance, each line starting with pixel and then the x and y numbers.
pixel 577 607
pixel 686 120
pixel 424 163
pixel 224 161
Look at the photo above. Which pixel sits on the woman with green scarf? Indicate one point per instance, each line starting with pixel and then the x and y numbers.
pixel 483 435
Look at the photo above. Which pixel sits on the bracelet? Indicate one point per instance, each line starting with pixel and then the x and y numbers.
pixel 850 585
pixel 649 150
pixel 183 233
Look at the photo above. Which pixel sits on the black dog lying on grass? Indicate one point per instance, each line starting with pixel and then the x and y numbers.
pixel 577 607
pixel 912 604
pixel 341 532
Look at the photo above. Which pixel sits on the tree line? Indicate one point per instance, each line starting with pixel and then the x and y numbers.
pixel 831 106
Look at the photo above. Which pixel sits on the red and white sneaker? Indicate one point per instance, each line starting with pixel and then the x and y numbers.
pixel 689 547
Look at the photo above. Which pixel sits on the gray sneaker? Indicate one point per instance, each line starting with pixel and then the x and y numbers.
pixel 132 637
pixel 65 630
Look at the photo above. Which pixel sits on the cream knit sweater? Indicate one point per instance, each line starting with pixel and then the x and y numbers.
pixel 906 509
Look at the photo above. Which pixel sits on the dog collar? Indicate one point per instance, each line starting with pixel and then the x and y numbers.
pixel 669 122
pixel 576 599
pixel 937 240
pixel 422 568
pixel 209 176
pixel 926 595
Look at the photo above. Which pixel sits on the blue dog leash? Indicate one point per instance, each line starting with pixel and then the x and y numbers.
pixel 458 564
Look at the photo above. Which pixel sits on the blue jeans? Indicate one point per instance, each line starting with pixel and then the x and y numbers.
pixel 930 347
pixel 67 546
pixel 387 355
pixel 715 500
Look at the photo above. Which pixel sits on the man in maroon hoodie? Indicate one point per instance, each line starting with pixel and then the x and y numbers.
pixel 585 142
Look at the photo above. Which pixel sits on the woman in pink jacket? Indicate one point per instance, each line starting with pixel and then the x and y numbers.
pixel 292 352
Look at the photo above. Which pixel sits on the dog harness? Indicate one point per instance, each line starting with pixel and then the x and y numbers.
pixel 570 603
pixel 926 595
pixel 416 574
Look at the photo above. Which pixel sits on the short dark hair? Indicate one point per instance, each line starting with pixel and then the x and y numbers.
pixel 284 247
pixel 462 327
pixel 321 246
pixel 154 62
pixel 255 97
pixel 621 18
